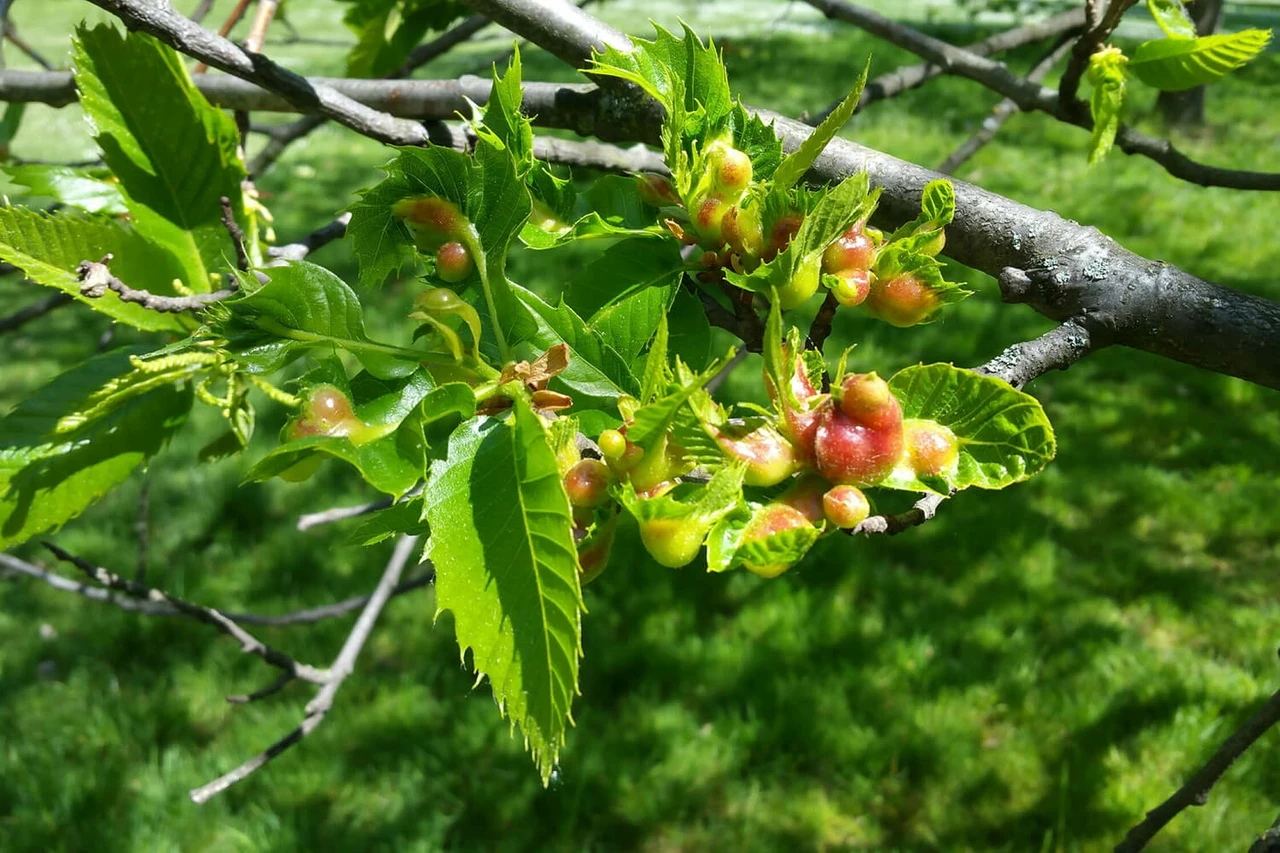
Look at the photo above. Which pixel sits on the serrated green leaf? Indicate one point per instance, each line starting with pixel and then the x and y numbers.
pixel 303 307
pixel 400 519
pixel 798 162
pixel 1004 435
pixel 49 247
pixel 1172 17
pixel 623 271
pixel 47 478
pixel 657 374
pixel 655 416
pixel 174 153
pixel 1177 64
pixel 502 118
pixel 388 30
pixel 597 375
pixel 79 188
pixel 689 330
pixel 507 569
pixel 611 209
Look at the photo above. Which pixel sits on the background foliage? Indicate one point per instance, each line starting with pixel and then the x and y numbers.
pixel 1029 672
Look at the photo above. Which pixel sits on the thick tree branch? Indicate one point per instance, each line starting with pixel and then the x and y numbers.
pixel 182 34
pixel 1071 271
pixel 991 124
pixel 1031 96
pixel 909 77
pixel 248 643
pixel 343 666
pixel 1196 790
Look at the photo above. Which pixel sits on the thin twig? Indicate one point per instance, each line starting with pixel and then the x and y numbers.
pixel 820 328
pixel 343 666
pixel 236 233
pixel 341 513
pixel 261 21
pixel 237 12
pixel 1196 790
pixel 1092 39
pixel 725 372
pixel 96 279
pixel 1057 349
pixel 22 316
pixel 12 565
pixel 274 687
pixel 178 32
pixel 891 525
pixel 909 77
pixel 322 236
pixel 249 644
pixel 23 45
pixel 991 124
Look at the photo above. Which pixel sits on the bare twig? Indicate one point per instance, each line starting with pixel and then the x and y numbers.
pixel 261 21
pixel 236 233
pixel 180 33
pixel 820 328
pixel 891 525
pixel 197 16
pixel 37 309
pixel 281 137
pixel 322 236
pixel 719 379
pixel 23 45
pixel 1031 96
pixel 909 77
pixel 341 513
pixel 991 124
pixel 271 689
pixel 237 12
pixel 1269 841
pixel 248 643
pixel 96 279
pixel 1196 790
pixel 343 666
pixel 12 565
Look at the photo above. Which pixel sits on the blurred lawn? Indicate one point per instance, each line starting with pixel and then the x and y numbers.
pixel 1031 671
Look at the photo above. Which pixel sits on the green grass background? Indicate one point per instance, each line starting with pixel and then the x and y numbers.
pixel 1031 671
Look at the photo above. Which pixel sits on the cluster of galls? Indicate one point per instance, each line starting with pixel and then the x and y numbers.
pixel 438 227
pixel 831 447
pixel 725 220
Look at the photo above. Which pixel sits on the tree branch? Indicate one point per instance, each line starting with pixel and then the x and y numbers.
pixel 96 279
pixel 1092 39
pixel 991 124
pixel 1057 349
pixel 12 565
pixel 1064 270
pixel 343 666
pixel 248 643
pixel 1031 96
pixel 1196 790
pixel 909 77
pixel 322 236
pixel 37 309
pixel 891 525
pixel 180 33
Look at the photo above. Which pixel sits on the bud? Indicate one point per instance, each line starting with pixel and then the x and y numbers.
pixel 708 218
pixel 805 495
pixel 327 412
pixel 431 220
pixel 593 553
pixel 733 173
pixel 612 444
pixel 780 235
pixel 774 519
pixel 845 506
